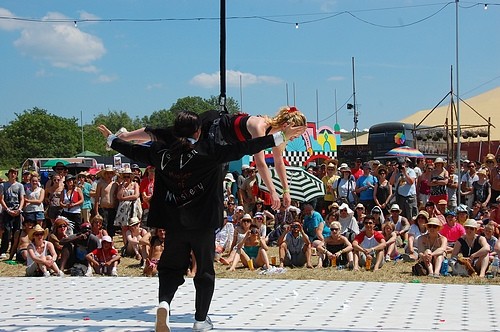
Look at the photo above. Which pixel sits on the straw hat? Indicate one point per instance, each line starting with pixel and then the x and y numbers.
pixel 107 168
pixel 37 229
pixel 470 223
pixel 434 221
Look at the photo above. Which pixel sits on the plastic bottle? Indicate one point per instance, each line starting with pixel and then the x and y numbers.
pixel 495 266
pixel 444 267
pixel 368 264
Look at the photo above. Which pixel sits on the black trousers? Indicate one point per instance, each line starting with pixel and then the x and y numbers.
pixel 175 261
pixel 108 223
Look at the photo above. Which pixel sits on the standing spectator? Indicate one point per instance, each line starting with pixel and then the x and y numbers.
pixel 420 167
pixel 294 247
pixel 382 193
pixel 357 170
pixel 240 181
pixel 146 191
pixel 452 186
pixel 106 201
pixel 439 180
pixel 330 177
pixel 365 185
pixel 466 184
pixel 493 165
pixel 86 187
pixel 404 179
pixel 136 171
pixel 423 187
pixel 452 230
pixel 71 202
pixel 345 186
pixel 25 180
pixel 432 248
pixel 129 205
pixel 42 256
pixel 35 194
pixel 53 192
pixel 368 243
pixel 12 201
pixel 482 188
pixel 104 260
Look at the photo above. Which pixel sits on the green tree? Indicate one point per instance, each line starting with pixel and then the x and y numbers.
pixel 115 120
pixel 231 104
pixel 36 133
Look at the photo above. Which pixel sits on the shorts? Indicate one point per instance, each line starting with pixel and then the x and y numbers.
pixel 34 216
pixel 297 259
pixel 19 255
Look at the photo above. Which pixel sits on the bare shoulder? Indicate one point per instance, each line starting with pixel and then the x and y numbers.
pixel 256 126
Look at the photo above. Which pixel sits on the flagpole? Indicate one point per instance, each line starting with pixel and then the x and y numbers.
pixel 458 100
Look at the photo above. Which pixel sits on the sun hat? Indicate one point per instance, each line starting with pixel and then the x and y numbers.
pixel 331 165
pixel 259 214
pixel 439 160
pixel 37 229
pixel 424 214
pixel 12 170
pixel 442 201
pixel 482 171
pixel 244 167
pixel 135 166
pixel 126 170
pixel 344 168
pixel 335 205
pixel 59 164
pixel 470 223
pixel 107 238
pixel 83 173
pixel 69 177
pixel 359 205
pixel 395 207
pixel 134 221
pixel 434 221
pixel 107 168
pixel 229 177
pixel 490 156
pixel 246 216
pixel 239 207
pixel 377 209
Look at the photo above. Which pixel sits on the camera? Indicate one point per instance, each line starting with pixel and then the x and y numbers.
pixel 400 166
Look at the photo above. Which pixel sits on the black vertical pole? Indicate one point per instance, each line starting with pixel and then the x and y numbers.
pixel 222 97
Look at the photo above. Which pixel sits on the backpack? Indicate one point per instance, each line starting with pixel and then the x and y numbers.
pixel 419 269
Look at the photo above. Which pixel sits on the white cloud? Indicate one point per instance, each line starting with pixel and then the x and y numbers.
pixel 233 79
pixel 336 78
pixel 59 43
pixel 106 78
pixel 154 86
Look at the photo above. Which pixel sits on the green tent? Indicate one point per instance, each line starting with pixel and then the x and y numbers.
pixel 87 153
pixel 53 162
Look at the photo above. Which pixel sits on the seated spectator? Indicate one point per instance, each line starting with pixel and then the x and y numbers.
pixel 59 231
pixel 473 247
pixel 349 224
pixel 314 226
pixel 402 225
pixel 488 231
pixel 378 218
pixel 223 240
pixel 283 217
pixel 434 212
pixel 338 246
pixel 359 213
pixel 155 250
pixel 75 249
pixel 105 259
pixel 452 230
pixel 133 236
pixel 369 243
pixel 252 251
pixel 417 229
pixel 258 219
pixel 97 229
pixel 294 247
pixel 42 256
pixel 20 241
pixel 390 236
pixel 462 214
pixel 240 231
pixel 432 247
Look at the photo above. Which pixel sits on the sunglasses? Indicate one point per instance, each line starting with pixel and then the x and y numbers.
pixel 382 173
pixel 335 229
pixel 368 223
pixel 39 234
pixel 246 220
pixel 432 226
pixel 376 212
pixel 62 226
pixel 126 176
pixel 470 228
pixel 259 218
pixel 343 210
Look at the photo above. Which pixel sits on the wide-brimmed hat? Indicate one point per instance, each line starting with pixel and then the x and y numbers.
pixel 359 206
pixel 334 205
pixel 12 169
pixel 376 209
pixel 229 177
pixel 424 214
pixel 259 214
pixel 439 160
pixel 84 173
pixel 246 217
pixel 395 207
pixel 331 165
pixel 134 221
pixel 245 167
pixel 442 202
pixel 107 168
pixel 69 177
pixel 37 229
pixel 489 157
pixel 126 170
pixel 434 221
pixel 344 168
pixel 59 164
pixel 470 223
pixel 483 172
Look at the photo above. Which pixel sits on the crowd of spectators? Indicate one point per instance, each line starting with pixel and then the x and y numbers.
pixel 372 213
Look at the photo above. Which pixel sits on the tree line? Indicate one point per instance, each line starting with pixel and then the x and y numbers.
pixel 36 133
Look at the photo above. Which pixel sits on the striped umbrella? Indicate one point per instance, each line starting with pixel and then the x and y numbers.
pixel 405 151
pixel 304 187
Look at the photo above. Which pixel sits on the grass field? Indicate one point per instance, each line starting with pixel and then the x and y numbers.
pixel 390 272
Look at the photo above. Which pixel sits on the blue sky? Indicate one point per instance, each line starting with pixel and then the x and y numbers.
pixel 401 66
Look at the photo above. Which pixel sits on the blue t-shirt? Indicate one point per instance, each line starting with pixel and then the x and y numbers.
pixel 311 223
pixel 364 181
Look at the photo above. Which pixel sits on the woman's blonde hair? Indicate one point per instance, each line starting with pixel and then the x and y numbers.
pixel 287 114
pixel 336 224
pixel 390 224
